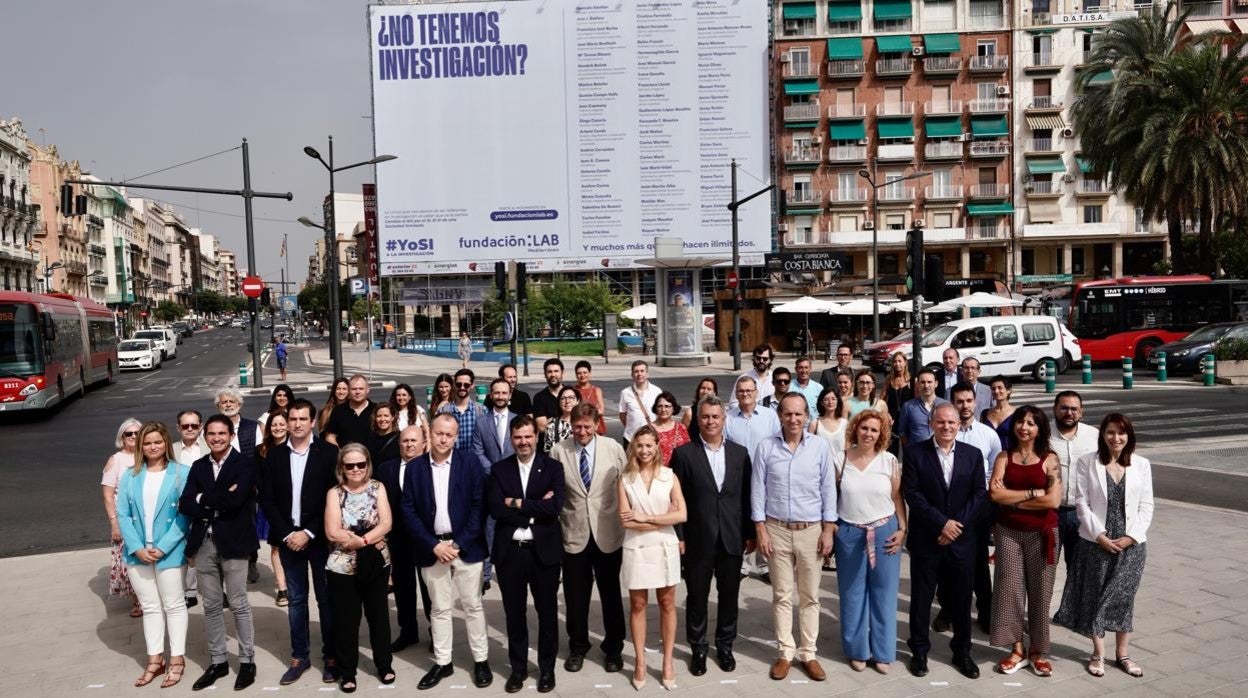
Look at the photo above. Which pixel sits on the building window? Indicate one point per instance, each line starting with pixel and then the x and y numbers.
pixel 799 27
pixel 846 186
pixel 1040 6
pixel 986 90
pixel 939 15
pixel 1029 261
pixel 942 220
pixel 1092 213
pixel 799 61
pixel 986 47
pixel 847 224
pixel 803 229
pixel 802 190
pixel 895 221
pixel 1076 261
pixel 980 261
pixel 889 264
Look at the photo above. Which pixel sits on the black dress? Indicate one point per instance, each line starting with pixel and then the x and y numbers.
pixel 1100 591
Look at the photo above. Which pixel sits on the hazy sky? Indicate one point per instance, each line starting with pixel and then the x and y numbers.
pixel 131 86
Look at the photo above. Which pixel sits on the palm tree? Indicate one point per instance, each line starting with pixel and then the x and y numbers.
pixel 1168 126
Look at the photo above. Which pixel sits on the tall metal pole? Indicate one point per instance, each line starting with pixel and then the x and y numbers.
pixel 331 237
pixel 257 374
pixel 737 294
pixel 875 256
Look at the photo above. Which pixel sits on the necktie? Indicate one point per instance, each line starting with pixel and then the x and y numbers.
pixel 500 426
pixel 585 474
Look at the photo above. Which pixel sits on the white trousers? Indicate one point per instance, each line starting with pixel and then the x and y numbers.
pixel 446 582
pixel 161 596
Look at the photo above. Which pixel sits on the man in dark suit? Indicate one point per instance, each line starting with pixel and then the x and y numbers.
pixel 220 499
pixel 491 442
pixel 947 376
pixel 526 493
pixel 295 480
pixel 392 474
pixel 443 509
pixel 943 483
pixel 715 475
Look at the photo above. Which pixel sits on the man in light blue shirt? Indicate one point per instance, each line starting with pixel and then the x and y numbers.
pixel 804 384
pixel 793 505
pixel 749 425
pixel 916 414
pixel 971 430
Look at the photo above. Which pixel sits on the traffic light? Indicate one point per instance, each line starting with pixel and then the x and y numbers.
pixel 934 278
pixel 500 280
pixel 67 200
pixel 914 260
pixel 80 205
pixel 522 293
pixel 265 298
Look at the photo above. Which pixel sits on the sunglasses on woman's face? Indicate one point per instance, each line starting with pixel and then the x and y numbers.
pixel 358 465
pixel 130 434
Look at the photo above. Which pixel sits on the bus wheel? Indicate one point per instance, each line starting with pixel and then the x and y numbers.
pixel 1145 349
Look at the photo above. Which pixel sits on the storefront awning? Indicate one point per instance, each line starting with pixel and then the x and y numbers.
pixel 1205 26
pixel 893 44
pixel 844 49
pixel 1052 122
pixel 942 126
pixel 1001 209
pixel 840 11
pixel 895 128
pixel 801 87
pixel 798 10
pixel 1102 78
pixel 892 9
pixel 941 44
pixel 1045 165
pixel 989 126
pixel 807 125
pixel 847 130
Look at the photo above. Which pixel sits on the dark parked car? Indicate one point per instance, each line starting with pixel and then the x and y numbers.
pixel 184 329
pixel 1184 356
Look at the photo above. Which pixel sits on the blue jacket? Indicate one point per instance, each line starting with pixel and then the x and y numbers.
pixel 485 440
pixel 465 501
pixel 932 502
pixel 170 527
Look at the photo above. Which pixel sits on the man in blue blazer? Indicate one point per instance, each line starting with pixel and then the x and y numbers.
pixel 491 442
pixel 443 510
pixel 526 493
pixel 943 482
pixel 220 500
pixel 393 474
pixel 295 479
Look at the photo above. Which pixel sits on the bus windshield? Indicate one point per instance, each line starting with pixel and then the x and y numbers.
pixel 21 352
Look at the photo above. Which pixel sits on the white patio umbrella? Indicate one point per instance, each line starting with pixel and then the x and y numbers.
pixel 645 311
pixel 805 305
pixel 928 307
pixel 862 306
pixel 979 299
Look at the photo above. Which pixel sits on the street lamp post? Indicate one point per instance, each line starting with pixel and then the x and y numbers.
pixel 47 274
pixel 331 240
pixel 870 176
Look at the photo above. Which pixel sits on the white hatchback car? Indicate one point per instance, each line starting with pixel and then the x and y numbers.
pixel 138 355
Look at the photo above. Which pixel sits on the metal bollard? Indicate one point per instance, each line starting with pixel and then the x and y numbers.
pixel 1087 369
pixel 1128 372
pixel 1162 369
pixel 242 375
pixel 429 396
pixel 1211 372
pixel 1050 376
pixel 481 394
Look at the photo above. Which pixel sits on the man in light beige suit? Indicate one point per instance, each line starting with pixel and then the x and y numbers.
pixel 592 536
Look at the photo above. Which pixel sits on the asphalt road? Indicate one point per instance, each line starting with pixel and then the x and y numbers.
pixel 56 503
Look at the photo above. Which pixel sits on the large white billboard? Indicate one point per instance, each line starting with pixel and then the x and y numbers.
pixel 567 134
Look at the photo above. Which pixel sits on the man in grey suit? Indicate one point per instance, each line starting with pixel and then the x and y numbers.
pixel 592 536
pixel 491 442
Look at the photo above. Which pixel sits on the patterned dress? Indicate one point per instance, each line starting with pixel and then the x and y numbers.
pixel 118 575
pixel 672 438
pixel 1100 592
pixel 359 515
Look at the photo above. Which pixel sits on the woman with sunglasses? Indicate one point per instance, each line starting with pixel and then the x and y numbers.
pixel 671 432
pixel 560 428
pixel 275 434
pixel 118 579
pixel 357 519
pixel 338 395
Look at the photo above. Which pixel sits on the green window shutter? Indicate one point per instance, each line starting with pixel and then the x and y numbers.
pixel 850 11
pixel 844 49
pixel 989 126
pixel 1001 209
pixel 895 128
pixel 801 87
pixel 847 130
pixel 798 10
pixel 892 9
pixel 941 44
pixel 1045 165
pixel 943 126
pixel 893 44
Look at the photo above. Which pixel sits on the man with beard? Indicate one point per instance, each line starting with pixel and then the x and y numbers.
pixel 1070 439
pixel 844 357
pixel 637 400
pixel 546 402
pixel 521 403
pixel 464 409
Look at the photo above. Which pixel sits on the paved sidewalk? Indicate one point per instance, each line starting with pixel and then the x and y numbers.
pixel 61 636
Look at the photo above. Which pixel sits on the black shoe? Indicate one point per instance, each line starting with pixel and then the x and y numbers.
pixel 294 671
pixel 330 673
pixel 485 586
pixel 613 663
pixel 210 676
pixel 192 601
pixel 697 663
pixel 765 578
pixel 481 674
pixel 436 674
pixel 966 666
pixel 515 682
pixel 574 662
pixel 402 642
pixel 546 682
pixel 246 676
pixel 918 665
pixel 726 661
pixel 940 623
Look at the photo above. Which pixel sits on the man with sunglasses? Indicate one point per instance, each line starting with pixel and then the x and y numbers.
pixel 465 409
pixel 760 373
pixel 781 380
pixel 188 449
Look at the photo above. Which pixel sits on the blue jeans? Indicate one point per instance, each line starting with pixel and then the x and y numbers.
pixel 297 565
pixel 1068 532
pixel 868 594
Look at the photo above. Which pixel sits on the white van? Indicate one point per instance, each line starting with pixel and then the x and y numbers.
pixel 165 339
pixel 1011 345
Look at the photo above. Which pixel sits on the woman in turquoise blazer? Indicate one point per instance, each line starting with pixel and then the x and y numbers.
pixel 153 535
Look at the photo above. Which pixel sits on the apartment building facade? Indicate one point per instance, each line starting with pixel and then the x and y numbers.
pixel 60 240
pixel 20 259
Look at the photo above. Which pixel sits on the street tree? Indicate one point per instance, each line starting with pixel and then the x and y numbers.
pixel 568 309
pixel 168 311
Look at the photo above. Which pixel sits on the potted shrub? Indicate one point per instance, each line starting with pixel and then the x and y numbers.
pixel 1232 358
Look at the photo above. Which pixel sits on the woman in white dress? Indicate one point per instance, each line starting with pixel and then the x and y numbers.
pixel 832 419
pixel 651 504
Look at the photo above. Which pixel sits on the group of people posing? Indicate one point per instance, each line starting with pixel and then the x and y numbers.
pixel 787 479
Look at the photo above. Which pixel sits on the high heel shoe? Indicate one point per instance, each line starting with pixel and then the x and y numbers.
pixel 638 684
pixel 666 683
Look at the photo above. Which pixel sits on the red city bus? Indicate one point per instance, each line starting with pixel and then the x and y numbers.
pixel 1132 316
pixel 51 347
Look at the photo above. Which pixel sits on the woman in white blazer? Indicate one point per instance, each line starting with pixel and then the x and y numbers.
pixel 1114 501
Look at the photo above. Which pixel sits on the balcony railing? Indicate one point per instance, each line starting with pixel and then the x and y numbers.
pixel 801 69
pixel 804 197
pixel 1044 60
pixel 895 193
pixel 987 232
pixel 934 150
pixel 948 191
pixel 938 25
pixel 1043 188
pixel 847 196
pixel 98 280
pixel 802 112
pixel 895 151
pixel 989 106
pixel 1044 103
pixel 78 268
pixel 851 68
pixel 1203 9
pixel 1042 145
pixel 894 66
pixel 990 149
pixel 989 64
pixel 894 109
pixel 847 111
pixel 942 64
pixel 990 191
pixel 949 106
pixel 1094 186
pixel 981 22
pixel 843 28
pixel 97 250
pixel 801 155
pixel 847 153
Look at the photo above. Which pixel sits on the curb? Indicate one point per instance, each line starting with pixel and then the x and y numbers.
pixel 313 387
